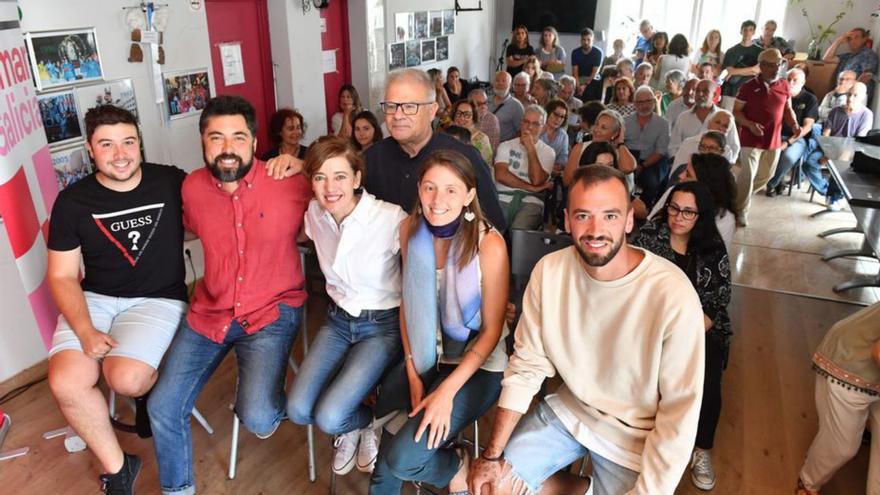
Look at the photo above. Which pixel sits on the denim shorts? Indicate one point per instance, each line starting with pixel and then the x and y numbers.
pixel 143 326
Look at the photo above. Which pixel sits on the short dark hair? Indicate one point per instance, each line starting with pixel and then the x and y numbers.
pixel 586 31
pixel 746 24
pixel 679 45
pixel 229 105
pixel 279 118
pixel 594 149
pixel 107 115
pixel 861 31
pixel 555 103
pixel 459 133
pixel 720 139
pixel 588 176
pixel 590 111
pixel 327 147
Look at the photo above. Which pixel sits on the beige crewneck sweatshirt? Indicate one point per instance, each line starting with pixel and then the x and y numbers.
pixel 630 353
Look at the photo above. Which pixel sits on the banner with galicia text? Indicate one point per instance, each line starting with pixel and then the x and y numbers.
pixel 28 186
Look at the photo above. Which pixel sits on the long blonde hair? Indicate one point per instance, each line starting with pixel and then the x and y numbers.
pixel 705 48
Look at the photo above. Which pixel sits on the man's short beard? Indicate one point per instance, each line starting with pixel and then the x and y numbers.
pixel 499 94
pixel 229 175
pixel 597 260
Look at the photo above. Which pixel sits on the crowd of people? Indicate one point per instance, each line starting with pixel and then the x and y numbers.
pixel 630 155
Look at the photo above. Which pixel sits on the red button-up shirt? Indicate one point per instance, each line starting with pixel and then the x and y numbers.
pixel 252 263
pixel 764 104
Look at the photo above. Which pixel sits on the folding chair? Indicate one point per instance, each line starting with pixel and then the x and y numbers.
pixel 527 247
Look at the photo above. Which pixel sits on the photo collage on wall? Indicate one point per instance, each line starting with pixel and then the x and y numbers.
pixel 420 37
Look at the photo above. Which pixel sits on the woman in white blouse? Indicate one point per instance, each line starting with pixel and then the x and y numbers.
pixel 357 239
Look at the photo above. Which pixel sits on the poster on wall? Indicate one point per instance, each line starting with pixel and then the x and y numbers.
pixel 442 48
pixel 118 93
pixel 428 51
pixel 404 26
pixel 449 21
pixel 421 25
pixel 396 56
pixel 60 58
pixel 186 92
pixel 60 117
pixel 413 53
pixel 436 23
pixel 71 164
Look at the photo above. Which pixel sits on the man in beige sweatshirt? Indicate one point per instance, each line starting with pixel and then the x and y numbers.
pixel 624 330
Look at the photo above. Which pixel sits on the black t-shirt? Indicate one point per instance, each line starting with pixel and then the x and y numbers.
pixel 518 54
pixel 131 242
pixel 805 106
pixel 393 176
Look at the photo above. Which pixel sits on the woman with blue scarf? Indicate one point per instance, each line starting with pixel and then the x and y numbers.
pixel 455 287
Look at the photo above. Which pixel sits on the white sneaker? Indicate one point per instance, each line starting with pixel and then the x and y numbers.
pixel 345 449
pixel 702 472
pixel 838 205
pixel 368 450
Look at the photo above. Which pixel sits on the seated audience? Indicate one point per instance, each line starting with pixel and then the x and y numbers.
pixel 643 41
pixel 768 39
pixel 504 106
pixel 847 365
pixel 365 131
pixel 522 172
pixel 837 97
pixel 860 58
pixel 586 116
pixel 488 122
pixel 622 102
pixel 550 53
pixel 518 51
pixel 674 86
pixel 722 122
pixel 647 135
pixel 609 76
pixel 629 311
pixel 617 54
pixel 460 133
pixel 455 87
pixel 554 133
pixel 532 67
pixel 850 120
pixel 675 59
pixel 795 146
pixel 710 52
pixel 349 106
pixel 685 234
pixel 684 102
pixel 567 87
pixel 626 68
pixel 741 63
pixel 609 128
pixel 286 130
pixel 692 122
pixel 452 329
pixel 644 73
pixel 444 104
pixel 707 72
pixel 659 47
pixel 544 90
pixel 586 60
pixel 357 239
pixel 465 115
pixel 522 85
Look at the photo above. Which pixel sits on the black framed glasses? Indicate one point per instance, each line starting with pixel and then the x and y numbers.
pixel 408 108
pixel 708 149
pixel 464 115
pixel 673 211
pixel 559 115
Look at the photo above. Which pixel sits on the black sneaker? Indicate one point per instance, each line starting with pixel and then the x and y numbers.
pixel 122 483
pixel 142 417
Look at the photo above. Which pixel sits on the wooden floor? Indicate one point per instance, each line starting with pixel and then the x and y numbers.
pixel 767 422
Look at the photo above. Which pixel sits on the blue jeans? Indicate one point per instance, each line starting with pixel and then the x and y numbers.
pixel 262 366
pixel 345 362
pixel 541 446
pixel 653 180
pixel 813 170
pixel 790 157
pixel 403 459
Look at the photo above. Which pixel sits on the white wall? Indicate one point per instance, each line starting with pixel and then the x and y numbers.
pixel 823 12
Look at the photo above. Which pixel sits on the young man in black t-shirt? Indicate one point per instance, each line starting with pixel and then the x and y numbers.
pixel 124 221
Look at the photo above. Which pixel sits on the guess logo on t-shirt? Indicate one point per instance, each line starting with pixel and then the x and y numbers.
pixel 131 230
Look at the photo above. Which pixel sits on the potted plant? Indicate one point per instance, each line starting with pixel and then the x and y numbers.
pixel 820 35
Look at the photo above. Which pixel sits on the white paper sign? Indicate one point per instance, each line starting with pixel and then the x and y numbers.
pixel 150 37
pixel 233 68
pixel 329 61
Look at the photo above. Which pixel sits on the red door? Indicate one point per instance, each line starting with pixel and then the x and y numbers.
pixel 245 22
pixel 335 37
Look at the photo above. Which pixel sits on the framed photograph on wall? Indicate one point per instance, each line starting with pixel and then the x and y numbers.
pixel 449 21
pixel 186 92
pixel 442 48
pixel 436 23
pixel 119 93
pixel 60 117
pixel 428 48
pixel 421 25
pixel 404 26
pixel 413 53
pixel 71 164
pixel 62 58
pixel 396 56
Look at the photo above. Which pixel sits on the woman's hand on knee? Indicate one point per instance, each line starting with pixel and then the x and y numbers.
pixel 438 413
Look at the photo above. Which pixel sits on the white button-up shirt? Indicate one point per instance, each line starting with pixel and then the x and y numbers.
pixel 360 258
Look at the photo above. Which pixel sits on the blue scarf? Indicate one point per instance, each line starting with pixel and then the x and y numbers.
pixel 458 312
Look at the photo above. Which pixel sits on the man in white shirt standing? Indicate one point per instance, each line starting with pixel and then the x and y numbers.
pixel 522 172
pixel 624 330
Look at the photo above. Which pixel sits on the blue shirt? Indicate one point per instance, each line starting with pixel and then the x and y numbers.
pixel 643 44
pixel 865 60
pixel 653 138
pixel 585 62
pixel 559 145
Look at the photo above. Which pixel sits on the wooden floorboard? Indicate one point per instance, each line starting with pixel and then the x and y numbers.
pixel 767 423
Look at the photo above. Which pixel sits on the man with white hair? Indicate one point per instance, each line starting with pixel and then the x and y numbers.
pixel 643 41
pixel 410 106
pixel 692 122
pixel 647 136
pixel 522 83
pixel 507 108
pixel 762 103
pixel 567 86
pixel 836 98
pixel 796 146
pixel 522 172
pixel 720 121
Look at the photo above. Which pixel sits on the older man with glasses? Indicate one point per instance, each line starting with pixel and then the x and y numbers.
pixel 647 136
pixel 522 172
pixel 796 146
pixel 394 162
pixel 487 121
